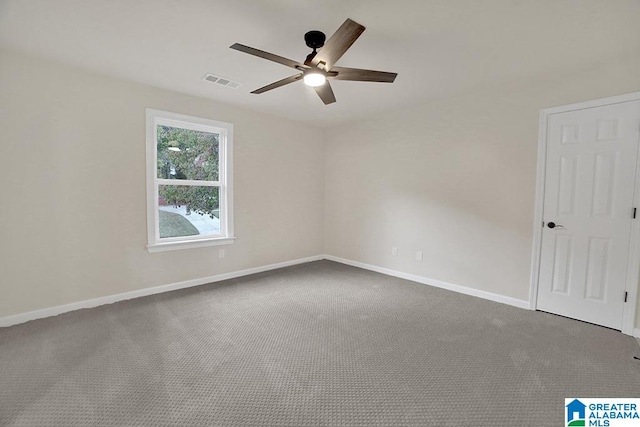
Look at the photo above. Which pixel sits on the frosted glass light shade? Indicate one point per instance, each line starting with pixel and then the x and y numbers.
pixel 314 79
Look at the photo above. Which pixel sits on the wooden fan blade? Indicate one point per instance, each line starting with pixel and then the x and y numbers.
pixel 356 74
pixel 269 56
pixel 338 44
pixel 279 83
pixel 326 93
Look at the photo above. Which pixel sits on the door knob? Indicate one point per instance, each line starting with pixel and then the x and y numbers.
pixel 554 225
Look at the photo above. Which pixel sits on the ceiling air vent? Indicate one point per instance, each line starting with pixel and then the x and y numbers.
pixel 221 81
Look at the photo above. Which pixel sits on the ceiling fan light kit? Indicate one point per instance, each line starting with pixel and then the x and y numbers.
pixel 318 67
pixel 314 78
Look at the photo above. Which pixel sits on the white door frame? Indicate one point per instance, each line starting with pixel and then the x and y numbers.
pixel 633 264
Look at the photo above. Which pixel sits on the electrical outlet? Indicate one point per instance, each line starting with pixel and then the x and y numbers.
pixel 394 251
pixel 221 253
pixel 419 256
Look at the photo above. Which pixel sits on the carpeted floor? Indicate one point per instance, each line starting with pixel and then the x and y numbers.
pixel 321 344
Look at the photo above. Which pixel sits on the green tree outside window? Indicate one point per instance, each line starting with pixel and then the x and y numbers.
pixel 185 154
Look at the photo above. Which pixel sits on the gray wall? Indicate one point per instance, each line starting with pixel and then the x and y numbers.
pixel 73 214
pixel 454 179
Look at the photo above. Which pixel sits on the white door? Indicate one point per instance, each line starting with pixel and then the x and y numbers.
pixel 587 212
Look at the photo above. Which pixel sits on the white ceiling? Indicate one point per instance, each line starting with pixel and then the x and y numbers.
pixel 439 48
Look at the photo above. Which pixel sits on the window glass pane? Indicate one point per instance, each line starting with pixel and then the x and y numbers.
pixel 188 211
pixel 187 154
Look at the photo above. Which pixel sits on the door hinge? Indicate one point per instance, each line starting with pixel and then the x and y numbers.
pixel 634 213
pixel 626 294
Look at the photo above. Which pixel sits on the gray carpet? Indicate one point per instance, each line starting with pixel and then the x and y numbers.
pixel 321 344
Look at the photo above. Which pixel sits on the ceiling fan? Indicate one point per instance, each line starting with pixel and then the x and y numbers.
pixel 320 65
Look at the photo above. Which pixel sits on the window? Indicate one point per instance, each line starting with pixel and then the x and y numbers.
pixel 189 198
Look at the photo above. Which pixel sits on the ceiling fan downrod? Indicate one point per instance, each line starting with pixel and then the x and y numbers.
pixel 315 40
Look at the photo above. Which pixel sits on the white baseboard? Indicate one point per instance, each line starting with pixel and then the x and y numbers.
pixel 433 282
pixel 110 299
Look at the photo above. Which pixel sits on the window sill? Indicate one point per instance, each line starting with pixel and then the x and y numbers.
pixel 190 244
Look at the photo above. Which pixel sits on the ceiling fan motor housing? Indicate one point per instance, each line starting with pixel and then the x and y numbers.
pixel 315 39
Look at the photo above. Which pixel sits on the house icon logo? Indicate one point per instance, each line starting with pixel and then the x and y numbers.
pixel 576 413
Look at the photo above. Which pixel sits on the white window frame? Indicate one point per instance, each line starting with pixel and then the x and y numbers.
pixel 225 195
